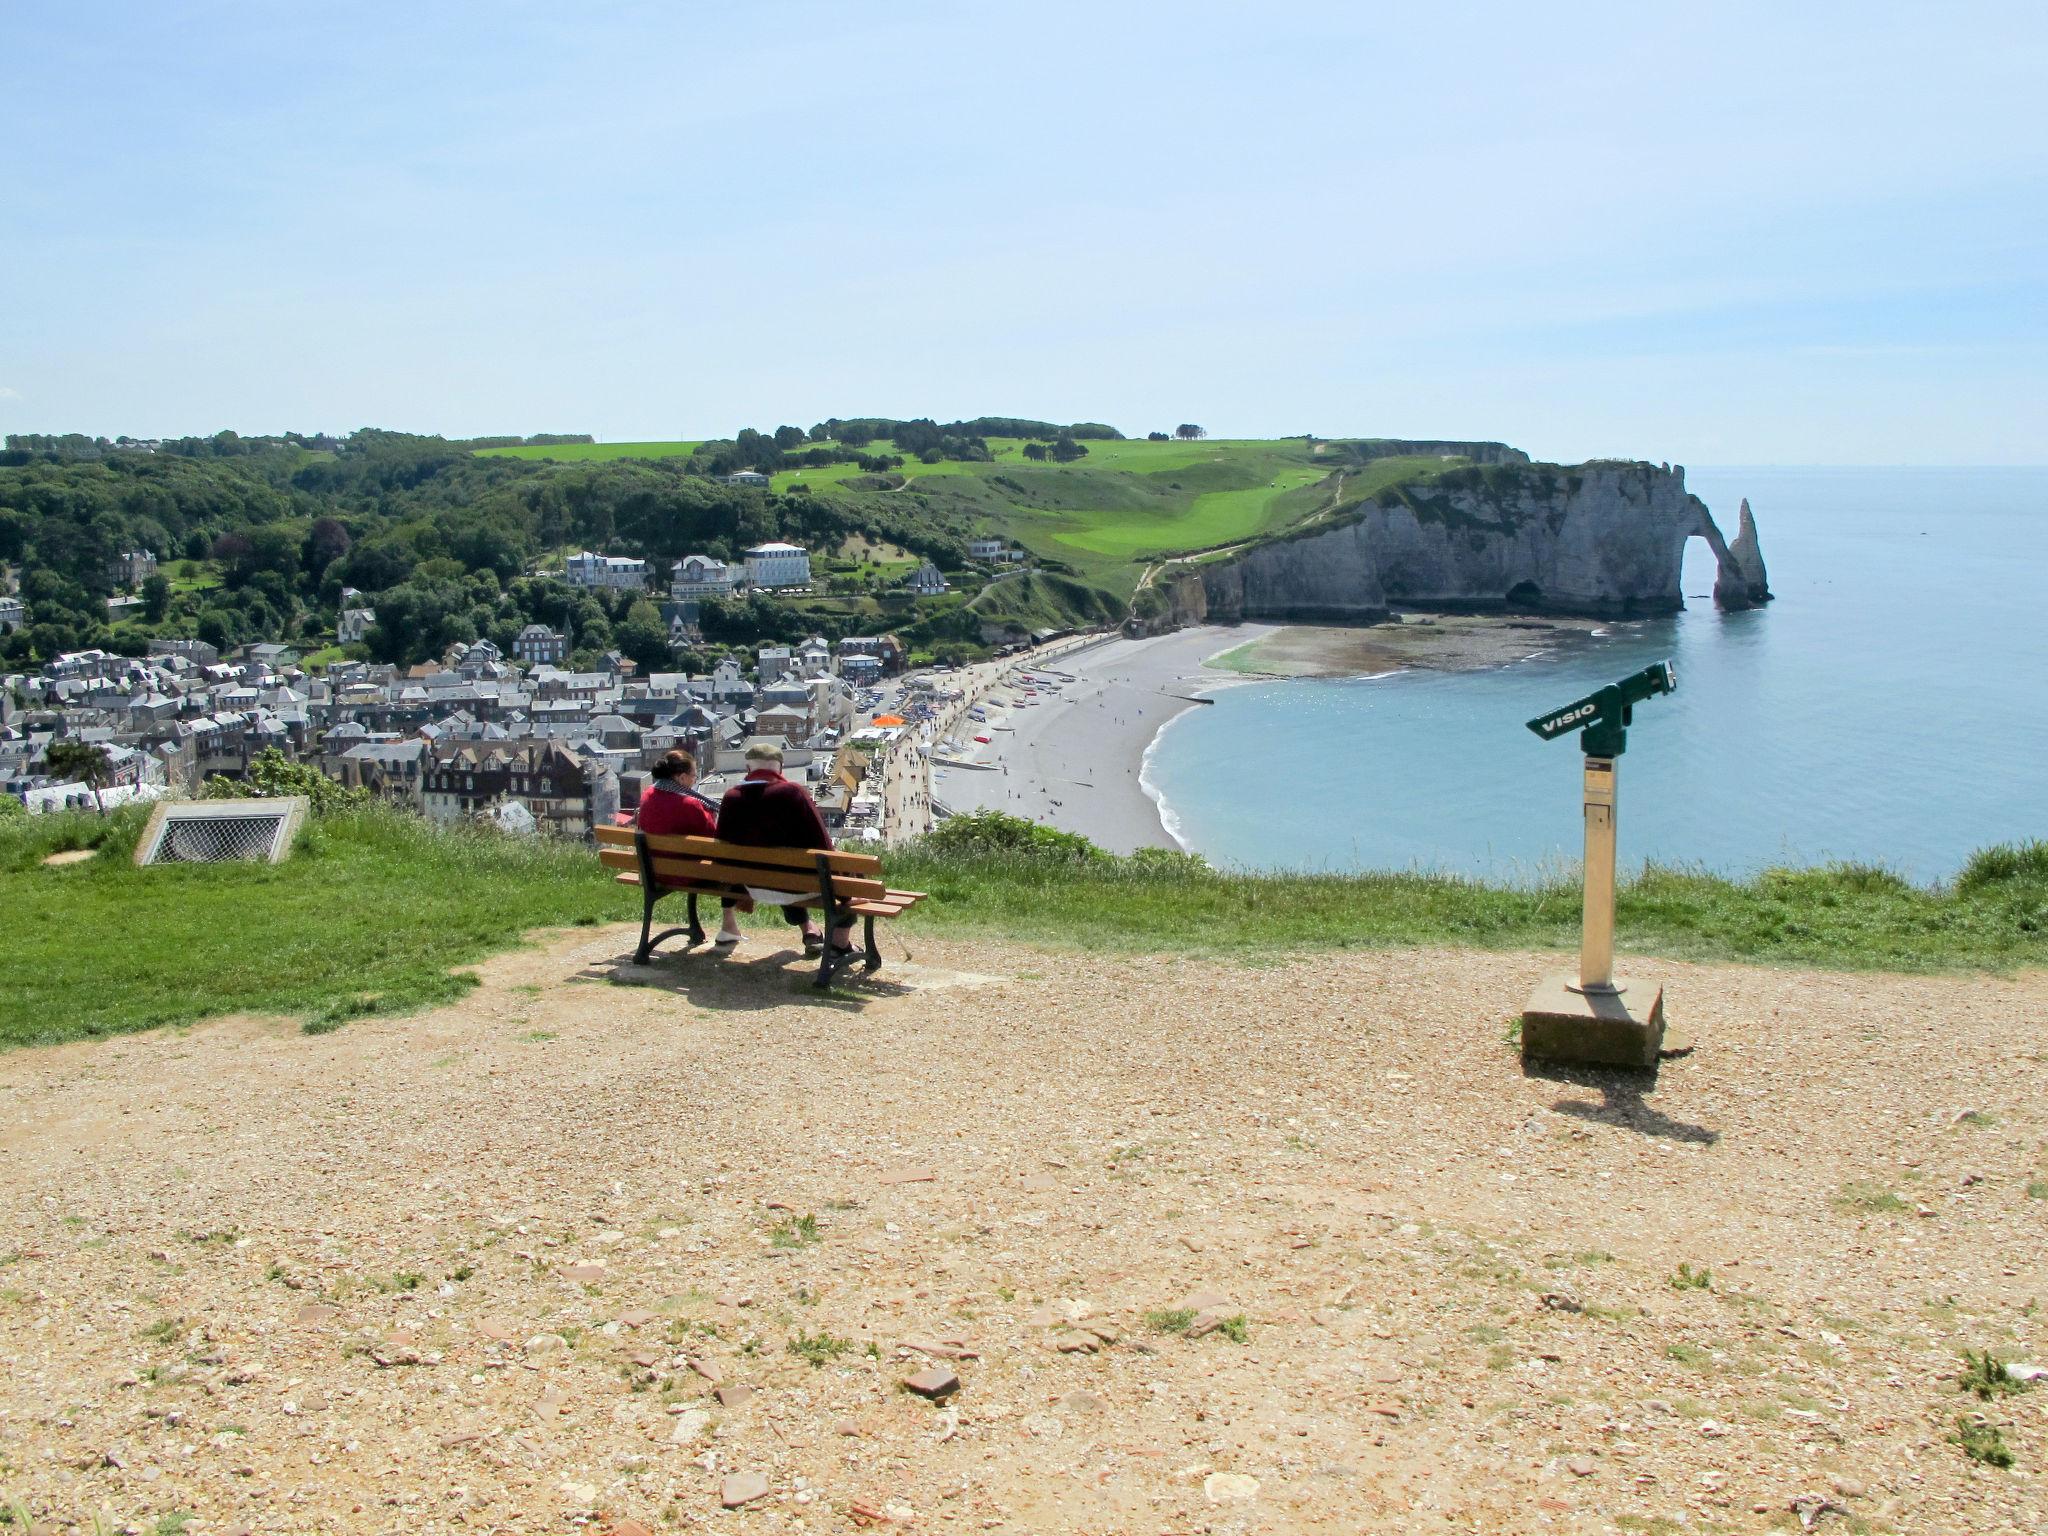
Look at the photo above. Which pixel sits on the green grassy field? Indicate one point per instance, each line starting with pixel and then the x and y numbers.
pixel 377 913
pixel 584 453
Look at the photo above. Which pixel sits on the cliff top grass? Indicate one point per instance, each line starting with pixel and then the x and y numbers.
pixel 378 912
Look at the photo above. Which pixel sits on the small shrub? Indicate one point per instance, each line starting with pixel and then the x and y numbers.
pixel 1236 1329
pixel 164 1329
pixel 994 832
pixel 1985 1374
pixel 819 1348
pixel 1170 1319
pixel 1690 1279
pixel 1981 1441
pixel 2005 864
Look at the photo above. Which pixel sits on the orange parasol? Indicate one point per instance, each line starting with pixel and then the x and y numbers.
pixel 890 720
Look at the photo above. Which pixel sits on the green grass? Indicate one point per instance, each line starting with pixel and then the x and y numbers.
pixel 1214 517
pixel 1838 918
pixel 1867 1195
pixel 819 1348
pixel 575 453
pixel 370 915
pixel 377 913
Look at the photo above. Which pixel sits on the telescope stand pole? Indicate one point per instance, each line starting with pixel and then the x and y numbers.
pixel 1596 930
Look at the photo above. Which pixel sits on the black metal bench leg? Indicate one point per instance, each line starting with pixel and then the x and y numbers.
pixel 648 896
pixel 696 927
pixel 867 933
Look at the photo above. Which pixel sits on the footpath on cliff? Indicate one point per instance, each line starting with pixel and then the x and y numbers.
pixel 1015 1239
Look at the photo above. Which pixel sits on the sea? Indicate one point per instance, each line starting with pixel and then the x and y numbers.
pixel 1889 708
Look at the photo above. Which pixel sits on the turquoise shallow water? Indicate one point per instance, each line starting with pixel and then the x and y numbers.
pixel 1890 707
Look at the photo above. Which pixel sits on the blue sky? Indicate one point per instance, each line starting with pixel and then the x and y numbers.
pixel 1806 233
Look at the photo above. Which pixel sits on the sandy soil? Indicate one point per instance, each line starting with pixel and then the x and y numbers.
pixel 1442 642
pixel 491 1269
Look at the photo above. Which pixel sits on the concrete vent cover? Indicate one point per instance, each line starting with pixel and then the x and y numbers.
pixel 208 831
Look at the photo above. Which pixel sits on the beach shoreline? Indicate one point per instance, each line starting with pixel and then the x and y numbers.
pixel 1073 759
pixel 1078 756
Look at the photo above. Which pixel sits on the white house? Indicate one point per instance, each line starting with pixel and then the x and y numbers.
pixel 700 576
pixel 588 570
pixel 12 615
pixel 778 565
pixel 752 477
pixel 354 624
pixel 927 581
pixel 992 549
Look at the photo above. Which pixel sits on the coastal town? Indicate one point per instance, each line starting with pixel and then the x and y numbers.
pixel 522 740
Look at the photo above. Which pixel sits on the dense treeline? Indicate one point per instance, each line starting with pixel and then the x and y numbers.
pixel 440 541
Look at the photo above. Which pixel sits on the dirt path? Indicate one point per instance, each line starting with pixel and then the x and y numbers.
pixel 545 1253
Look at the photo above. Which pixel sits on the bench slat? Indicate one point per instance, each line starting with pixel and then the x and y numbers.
pixel 714 848
pixel 708 872
pixel 863 907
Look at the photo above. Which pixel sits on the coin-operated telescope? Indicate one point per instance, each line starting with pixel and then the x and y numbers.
pixel 1589 1018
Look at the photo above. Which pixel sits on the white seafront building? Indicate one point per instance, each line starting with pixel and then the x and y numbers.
pixel 778 565
pixel 586 569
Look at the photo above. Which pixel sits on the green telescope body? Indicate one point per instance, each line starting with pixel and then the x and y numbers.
pixel 1604 716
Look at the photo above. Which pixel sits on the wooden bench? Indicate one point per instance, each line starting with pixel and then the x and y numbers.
pixel 842 885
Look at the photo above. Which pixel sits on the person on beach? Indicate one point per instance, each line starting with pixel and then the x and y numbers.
pixel 765 810
pixel 671 807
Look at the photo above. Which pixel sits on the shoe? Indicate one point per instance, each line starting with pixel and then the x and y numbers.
pixel 726 940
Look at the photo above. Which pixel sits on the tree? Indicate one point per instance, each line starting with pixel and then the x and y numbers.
pixel 1065 449
pixel 82 761
pixel 1157 437
pixel 1187 432
pixel 788 437
pixel 156 597
pixel 326 542
pixel 272 775
pixel 644 637
pixel 1037 451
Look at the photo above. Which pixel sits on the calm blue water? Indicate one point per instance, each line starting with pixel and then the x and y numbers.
pixel 1891 707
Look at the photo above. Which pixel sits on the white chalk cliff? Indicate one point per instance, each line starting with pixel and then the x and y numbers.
pixel 1605 539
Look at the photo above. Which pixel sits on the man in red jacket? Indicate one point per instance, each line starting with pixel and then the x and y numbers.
pixel 765 810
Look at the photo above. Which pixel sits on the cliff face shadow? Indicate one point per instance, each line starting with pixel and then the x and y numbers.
pixel 751 981
pixel 1623 1102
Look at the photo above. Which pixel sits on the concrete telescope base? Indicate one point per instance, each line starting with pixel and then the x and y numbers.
pixel 1620 1029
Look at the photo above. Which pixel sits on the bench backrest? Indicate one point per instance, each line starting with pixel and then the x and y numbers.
pixel 675 859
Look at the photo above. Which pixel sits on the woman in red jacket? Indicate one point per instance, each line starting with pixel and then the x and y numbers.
pixel 673 808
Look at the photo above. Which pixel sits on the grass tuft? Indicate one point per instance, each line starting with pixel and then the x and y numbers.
pixel 1985 1375
pixel 820 1348
pixel 1981 1441
pixel 798 1232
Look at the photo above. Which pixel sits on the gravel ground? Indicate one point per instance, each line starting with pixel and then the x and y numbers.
pixel 540 1258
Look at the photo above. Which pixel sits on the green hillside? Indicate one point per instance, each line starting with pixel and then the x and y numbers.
pixel 1103 517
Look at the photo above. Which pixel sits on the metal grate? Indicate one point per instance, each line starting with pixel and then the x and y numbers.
pixel 225 837
pixel 209 832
